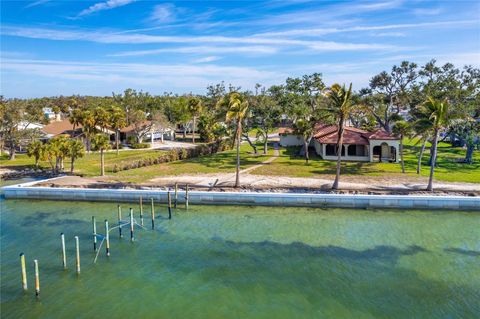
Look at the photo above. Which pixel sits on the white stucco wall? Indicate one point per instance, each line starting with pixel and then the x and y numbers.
pixel 291 140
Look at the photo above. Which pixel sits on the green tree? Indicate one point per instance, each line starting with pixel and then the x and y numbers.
pixel 403 129
pixel 195 109
pixel 35 149
pixel 100 142
pixel 76 149
pixel 75 118
pixel 58 148
pixel 341 107
pixel 237 111
pixel 436 115
pixel 117 122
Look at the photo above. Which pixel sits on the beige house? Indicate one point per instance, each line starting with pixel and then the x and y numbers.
pixel 358 145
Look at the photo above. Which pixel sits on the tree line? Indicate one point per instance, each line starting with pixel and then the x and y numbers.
pixel 430 102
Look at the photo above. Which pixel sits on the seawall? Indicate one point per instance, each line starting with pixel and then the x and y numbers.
pixel 28 191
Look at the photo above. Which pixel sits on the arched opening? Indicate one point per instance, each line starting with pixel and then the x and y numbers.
pixel 331 150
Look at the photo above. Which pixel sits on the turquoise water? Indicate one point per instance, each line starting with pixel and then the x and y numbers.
pixel 244 262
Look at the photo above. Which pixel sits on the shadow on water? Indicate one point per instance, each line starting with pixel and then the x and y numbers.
pixel 463 252
pixel 369 281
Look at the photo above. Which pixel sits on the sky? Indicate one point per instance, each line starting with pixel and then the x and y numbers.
pixel 98 47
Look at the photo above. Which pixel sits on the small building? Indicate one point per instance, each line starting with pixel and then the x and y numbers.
pixel 358 145
pixel 63 127
pixel 148 130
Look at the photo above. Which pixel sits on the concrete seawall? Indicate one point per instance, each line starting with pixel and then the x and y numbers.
pixel 27 191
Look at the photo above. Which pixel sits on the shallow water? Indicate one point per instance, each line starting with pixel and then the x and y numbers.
pixel 244 262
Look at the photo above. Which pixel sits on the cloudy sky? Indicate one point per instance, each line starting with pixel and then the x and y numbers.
pixel 96 48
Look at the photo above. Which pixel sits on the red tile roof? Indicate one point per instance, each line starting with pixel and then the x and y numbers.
pixel 328 134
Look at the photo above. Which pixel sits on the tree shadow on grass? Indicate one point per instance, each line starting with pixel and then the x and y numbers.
pixel 369 281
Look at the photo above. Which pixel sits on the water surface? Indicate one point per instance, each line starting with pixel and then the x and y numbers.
pixel 244 262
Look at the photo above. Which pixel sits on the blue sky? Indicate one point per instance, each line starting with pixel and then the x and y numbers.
pixel 99 47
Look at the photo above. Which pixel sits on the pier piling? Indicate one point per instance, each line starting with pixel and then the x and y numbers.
pixel 141 211
pixel 64 254
pixel 94 225
pixel 119 215
pixel 107 239
pixel 131 225
pixel 175 199
pixel 186 197
pixel 37 278
pixel 153 214
pixel 77 254
pixel 24 271
pixel 169 205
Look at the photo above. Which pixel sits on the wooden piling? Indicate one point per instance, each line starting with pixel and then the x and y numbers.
pixel 186 196
pixel 107 239
pixel 94 225
pixel 37 278
pixel 153 214
pixel 131 225
pixel 24 271
pixel 141 211
pixel 175 200
pixel 119 215
pixel 64 254
pixel 169 205
pixel 77 254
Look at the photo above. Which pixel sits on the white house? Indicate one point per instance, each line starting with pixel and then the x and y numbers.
pixel 358 145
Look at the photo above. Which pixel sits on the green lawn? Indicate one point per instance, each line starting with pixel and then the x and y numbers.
pixel 223 162
pixel 89 165
pixel 290 164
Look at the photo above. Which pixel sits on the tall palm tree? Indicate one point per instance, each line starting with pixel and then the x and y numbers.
pixel 195 109
pixel 403 129
pixel 101 143
pixel 341 107
pixel 237 111
pixel 75 118
pixel 435 115
pixel 117 122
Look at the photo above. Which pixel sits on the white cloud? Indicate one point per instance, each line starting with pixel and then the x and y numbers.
pixel 325 31
pixel 207 59
pixel 163 13
pixel 36 3
pixel 427 11
pixel 107 5
pixel 159 76
pixel 251 49
pixel 111 37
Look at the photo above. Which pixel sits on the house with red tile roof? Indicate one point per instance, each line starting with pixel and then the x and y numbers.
pixel 358 145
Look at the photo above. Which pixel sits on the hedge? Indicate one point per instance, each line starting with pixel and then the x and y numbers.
pixel 176 154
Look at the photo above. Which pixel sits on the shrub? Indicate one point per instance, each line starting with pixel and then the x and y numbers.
pixel 139 145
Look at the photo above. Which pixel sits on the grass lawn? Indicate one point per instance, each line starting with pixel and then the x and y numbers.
pixel 223 162
pixel 290 164
pixel 89 165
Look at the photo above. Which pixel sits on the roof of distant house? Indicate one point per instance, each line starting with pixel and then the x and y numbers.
pixel 59 127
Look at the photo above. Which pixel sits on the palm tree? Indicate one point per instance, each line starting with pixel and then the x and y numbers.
pixel 35 149
pixel 75 119
pixel 435 115
pixel 88 122
pixel 76 150
pixel 194 108
pixel 341 107
pixel 101 143
pixel 237 111
pixel 403 129
pixel 117 122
